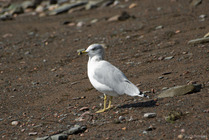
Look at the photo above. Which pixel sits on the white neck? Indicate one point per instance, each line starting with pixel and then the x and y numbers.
pixel 95 58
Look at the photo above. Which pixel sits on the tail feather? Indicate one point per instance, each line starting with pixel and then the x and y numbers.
pixel 132 90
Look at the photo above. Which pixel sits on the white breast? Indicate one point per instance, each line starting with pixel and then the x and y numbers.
pixel 97 85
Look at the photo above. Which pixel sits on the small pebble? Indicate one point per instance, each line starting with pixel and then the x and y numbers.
pixel 164 88
pixel 144 132
pixel 32 133
pixel 160 58
pixel 116 2
pixel 180 136
pixel 128 37
pixel 159 27
pixel 80 24
pixel 80 119
pixel 159 8
pixel 82 135
pixel 71 24
pixel 177 31
pixel 161 77
pixel 167 104
pixel 55 115
pixel 202 16
pixel 14 123
pixel 131 119
pixel 132 5
pixel 169 58
pixel 150 128
pixel 34 83
pixel 85 113
pixel 121 118
pixel 14 89
pixel 150 115
pixel 93 107
pixel 182 130
pixel 84 108
pixel 206 111
pixel 27 53
pixel 124 128
pixel 39 9
pixel 114 18
pixel 94 21
pixel 60 120
pixel 194 3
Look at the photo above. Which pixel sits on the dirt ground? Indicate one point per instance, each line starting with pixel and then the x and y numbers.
pixel 44 83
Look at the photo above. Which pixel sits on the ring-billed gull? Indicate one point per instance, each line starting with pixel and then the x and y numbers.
pixel 106 78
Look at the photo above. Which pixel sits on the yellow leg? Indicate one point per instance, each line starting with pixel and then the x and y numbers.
pixel 110 101
pixel 105 101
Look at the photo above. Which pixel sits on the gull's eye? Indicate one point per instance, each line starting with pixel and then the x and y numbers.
pixel 93 49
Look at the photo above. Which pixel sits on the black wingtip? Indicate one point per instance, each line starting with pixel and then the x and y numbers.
pixel 143 95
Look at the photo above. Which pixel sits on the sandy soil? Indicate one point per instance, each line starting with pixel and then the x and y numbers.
pixel 43 82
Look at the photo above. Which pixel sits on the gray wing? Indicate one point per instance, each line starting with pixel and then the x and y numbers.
pixel 112 77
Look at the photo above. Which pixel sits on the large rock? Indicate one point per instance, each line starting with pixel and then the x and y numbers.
pixel 54 137
pixel 74 130
pixel 66 7
pixel 93 4
pixel 27 4
pixel 16 9
pixel 179 90
pixel 64 135
pixel 6 17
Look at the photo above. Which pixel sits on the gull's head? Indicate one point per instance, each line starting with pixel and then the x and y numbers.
pixel 95 50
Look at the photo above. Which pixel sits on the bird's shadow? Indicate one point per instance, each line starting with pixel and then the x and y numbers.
pixel 150 103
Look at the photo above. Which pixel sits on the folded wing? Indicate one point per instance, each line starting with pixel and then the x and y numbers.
pixel 112 77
